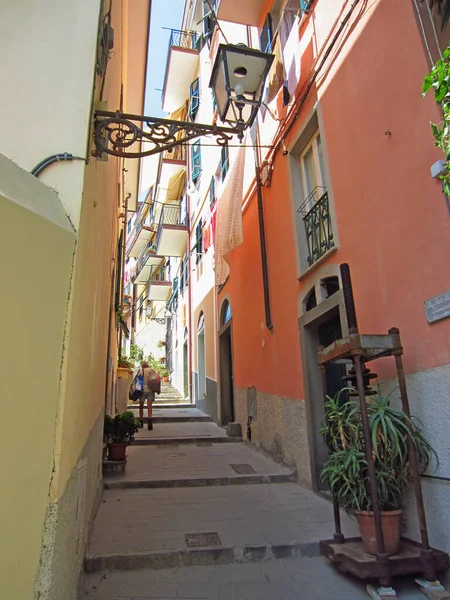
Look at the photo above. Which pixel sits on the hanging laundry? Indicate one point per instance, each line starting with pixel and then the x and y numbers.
pixel 276 75
pixel 206 234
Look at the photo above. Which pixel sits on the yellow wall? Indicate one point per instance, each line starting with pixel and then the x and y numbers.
pixel 37 252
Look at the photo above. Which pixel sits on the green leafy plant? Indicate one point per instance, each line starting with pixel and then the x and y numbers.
pixel 346 470
pixel 163 372
pixel 438 80
pixel 125 363
pixel 121 428
pixel 136 353
pixel 161 344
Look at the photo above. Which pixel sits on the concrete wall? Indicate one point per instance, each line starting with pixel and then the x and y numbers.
pixel 52 49
pixel 428 393
pixel 61 281
pixel 38 245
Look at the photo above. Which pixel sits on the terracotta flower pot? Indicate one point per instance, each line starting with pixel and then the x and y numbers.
pixel 165 379
pixel 390 524
pixel 117 451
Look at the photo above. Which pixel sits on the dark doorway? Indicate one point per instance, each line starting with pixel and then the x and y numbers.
pixel 226 366
pixel 185 371
pixel 329 332
pixel 320 326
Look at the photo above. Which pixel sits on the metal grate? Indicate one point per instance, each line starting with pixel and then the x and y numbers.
pixel 202 540
pixel 243 469
pixel 318 229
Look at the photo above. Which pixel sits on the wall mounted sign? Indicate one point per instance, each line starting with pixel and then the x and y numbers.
pixel 437 308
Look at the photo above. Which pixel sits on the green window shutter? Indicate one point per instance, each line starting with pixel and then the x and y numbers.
pixel 305 5
pixel 224 162
pixel 194 98
pixel 212 191
pixel 266 36
pixel 196 161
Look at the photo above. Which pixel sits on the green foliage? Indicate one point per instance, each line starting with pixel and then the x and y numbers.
pixel 124 362
pixel 155 364
pixel 136 353
pixel 438 80
pixel 121 428
pixel 346 470
pixel 161 343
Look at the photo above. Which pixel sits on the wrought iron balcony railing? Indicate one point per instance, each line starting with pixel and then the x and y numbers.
pixel 139 221
pixel 171 214
pixel 183 39
pixel 159 274
pixel 317 220
pixel 143 256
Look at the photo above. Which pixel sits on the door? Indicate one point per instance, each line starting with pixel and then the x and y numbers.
pixel 226 377
pixel 185 370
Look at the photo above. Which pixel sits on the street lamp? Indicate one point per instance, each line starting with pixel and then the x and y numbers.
pixel 237 81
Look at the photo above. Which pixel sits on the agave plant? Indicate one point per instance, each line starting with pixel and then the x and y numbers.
pixel 391 431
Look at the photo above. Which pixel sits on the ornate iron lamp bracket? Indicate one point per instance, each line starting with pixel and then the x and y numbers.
pixel 117 134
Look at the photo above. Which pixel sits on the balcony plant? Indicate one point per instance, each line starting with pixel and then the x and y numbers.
pixel 346 468
pixel 164 374
pixel 161 344
pixel 119 433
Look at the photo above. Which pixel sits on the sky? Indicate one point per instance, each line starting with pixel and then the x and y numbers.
pixel 165 13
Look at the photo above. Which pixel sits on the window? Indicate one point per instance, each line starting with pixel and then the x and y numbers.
pixel 305 5
pixel 208 22
pixel 225 313
pixel 212 191
pixel 265 36
pixel 224 162
pixel 141 306
pixel 129 225
pixel 199 240
pixel 196 162
pixel 314 210
pixel 194 99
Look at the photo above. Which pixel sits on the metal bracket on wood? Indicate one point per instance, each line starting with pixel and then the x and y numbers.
pixel 433 590
pixel 381 593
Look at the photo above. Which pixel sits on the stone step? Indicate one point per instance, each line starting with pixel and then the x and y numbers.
pixel 195 557
pixel 163 441
pixel 183 419
pixel 112 484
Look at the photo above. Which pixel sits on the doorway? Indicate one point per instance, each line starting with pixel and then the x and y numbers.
pixel 185 370
pixel 201 357
pixel 323 322
pixel 226 366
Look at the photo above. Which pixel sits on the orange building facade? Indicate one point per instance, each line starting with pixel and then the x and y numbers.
pixel 349 182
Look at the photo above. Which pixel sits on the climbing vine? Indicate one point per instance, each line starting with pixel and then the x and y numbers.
pixel 439 81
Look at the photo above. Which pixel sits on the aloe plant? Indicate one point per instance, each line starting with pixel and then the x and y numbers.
pixel 346 470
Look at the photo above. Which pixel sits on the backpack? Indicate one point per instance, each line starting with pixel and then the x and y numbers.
pixel 136 387
pixel 154 382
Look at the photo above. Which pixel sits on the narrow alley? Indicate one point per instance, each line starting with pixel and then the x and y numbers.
pixel 199 515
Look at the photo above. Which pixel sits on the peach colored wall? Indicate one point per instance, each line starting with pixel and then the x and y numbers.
pixel 207 307
pixel 393 225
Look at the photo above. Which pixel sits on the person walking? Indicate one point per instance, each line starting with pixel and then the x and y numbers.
pixel 152 385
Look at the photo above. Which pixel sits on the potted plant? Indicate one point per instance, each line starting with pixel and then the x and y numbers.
pixel 124 366
pixel 119 432
pixel 162 360
pixel 164 374
pixel 346 471
pixel 161 344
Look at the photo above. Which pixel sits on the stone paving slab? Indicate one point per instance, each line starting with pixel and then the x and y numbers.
pixel 157 520
pixel 288 579
pixel 191 461
pixel 173 430
pixel 176 415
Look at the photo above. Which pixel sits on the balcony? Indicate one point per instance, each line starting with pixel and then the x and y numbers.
pixel 147 260
pixel 171 238
pixel 141 231
pixel 315 212
pixel 159 286
pixel 250 12
pixel 181 67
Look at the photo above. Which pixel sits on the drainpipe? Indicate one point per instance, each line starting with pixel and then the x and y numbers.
pixel 262 238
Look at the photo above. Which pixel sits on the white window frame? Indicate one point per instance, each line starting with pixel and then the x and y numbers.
pixel 309 196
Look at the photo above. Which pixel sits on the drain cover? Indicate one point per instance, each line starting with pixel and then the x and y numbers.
pixel 243 469
pixel 203 444
pixel 201 540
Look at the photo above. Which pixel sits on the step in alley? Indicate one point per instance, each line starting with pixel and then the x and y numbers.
pixel 194 517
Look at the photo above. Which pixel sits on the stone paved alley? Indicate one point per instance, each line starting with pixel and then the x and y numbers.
pixel 182 482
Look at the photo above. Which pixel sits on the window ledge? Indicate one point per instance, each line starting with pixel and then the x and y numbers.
pixel 321 260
